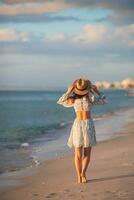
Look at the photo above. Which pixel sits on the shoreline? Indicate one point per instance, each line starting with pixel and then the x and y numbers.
pixel 29 143
pixel 110 173
pixel 58 148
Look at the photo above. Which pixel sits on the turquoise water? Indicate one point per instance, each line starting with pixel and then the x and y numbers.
pixel 25 115
pixel 35 117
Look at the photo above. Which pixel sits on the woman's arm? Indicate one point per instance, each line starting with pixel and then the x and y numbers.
pixel 99 100
pixel 66 100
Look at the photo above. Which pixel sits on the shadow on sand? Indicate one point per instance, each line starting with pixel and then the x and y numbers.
pixel 110 178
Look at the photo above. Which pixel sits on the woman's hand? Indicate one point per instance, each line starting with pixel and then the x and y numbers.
pixel 70 89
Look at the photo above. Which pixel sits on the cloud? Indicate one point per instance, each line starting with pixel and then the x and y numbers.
pixel 125 34
pixel 121 11
pixel 30 8
pixel 47 17
pixel 24 36
pixel 122 17
pixel 13 35
pixel 110 4
pixel 23 1
pixel 97 36
pixel 8 35
pixel 59 37
pixel 91 34
pixel 104 36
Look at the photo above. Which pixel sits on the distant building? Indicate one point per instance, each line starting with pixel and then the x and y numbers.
pixel 124 84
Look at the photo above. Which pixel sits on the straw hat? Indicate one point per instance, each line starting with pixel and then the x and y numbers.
pixel 81 86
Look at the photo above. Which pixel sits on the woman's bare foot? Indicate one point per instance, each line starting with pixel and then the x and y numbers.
pixel 84 179
pixel 80 179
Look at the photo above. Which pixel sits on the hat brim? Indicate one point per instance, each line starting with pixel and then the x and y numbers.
pixel 81 92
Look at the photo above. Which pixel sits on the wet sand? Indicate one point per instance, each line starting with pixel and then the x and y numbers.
pixel 110 175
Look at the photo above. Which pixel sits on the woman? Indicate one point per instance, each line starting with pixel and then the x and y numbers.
pixel 81 96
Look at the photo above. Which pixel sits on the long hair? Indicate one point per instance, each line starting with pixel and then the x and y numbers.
pixel 76 96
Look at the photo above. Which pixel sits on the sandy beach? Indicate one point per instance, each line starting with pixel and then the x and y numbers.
pixel 66 80
pixel 110 175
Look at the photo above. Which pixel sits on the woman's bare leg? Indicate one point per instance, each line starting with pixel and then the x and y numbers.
pixel 85 162
pixel 78 162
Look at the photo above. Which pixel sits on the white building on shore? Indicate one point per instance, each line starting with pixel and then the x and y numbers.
pixel 124 84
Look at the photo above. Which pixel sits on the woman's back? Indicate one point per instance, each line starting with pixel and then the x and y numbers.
pixel 82 104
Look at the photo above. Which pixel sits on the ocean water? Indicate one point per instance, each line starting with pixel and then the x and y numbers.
pixel 33 126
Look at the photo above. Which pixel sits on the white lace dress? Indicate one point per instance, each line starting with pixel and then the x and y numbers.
pixel 82 131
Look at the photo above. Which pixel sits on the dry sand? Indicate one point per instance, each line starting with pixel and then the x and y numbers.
pixel 110 174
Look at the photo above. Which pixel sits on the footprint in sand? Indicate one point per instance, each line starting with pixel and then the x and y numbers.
pixel 81 191
pixel 70 195
pixel 107 191
pixel 117 194
pixel 110 195
pixel 51 195
pixel 128 164
pixel 35 194
pixel 67 190
pixel 94 194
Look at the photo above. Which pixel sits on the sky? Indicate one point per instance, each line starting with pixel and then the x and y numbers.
pixel 50 43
